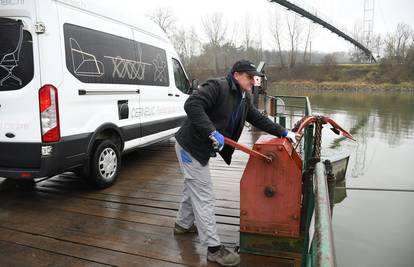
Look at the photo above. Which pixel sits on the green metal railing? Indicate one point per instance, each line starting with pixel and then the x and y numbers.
pixel 324 253
pixel 316 226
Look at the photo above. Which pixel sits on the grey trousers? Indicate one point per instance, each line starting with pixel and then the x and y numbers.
pixel 197 204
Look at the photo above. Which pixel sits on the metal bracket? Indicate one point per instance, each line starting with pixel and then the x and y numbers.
pixel 40 27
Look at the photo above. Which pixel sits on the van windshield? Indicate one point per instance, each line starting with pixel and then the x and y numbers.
pixel 16 55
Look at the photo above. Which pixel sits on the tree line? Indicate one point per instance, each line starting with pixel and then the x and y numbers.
pixel 291 45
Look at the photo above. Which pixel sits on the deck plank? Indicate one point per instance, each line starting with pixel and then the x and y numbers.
pixel 12 254
pixel 144 240
pixel 64 250
pixel 65 222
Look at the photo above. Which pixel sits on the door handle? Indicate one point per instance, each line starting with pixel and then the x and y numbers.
pixel 170 94
pixel 177 95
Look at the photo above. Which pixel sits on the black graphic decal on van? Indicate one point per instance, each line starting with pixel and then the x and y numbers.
pixel 97 57
pixel 16 55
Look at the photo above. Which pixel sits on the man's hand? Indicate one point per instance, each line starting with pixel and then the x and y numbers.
pixel 218 140
pixel 293 137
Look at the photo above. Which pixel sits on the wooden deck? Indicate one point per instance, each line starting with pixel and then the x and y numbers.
pixel 64 222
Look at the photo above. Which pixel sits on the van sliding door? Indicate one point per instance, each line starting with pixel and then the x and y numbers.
pixel 157 99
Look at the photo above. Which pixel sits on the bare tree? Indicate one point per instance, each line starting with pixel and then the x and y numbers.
pixel 187 44
pixel 377 45
pixel 259 42
pixel 329 60
pixel 356 55
pixel 295 30
pixel 253 40
pixel 233 32
pixel 275 30
pixel 164 18
pixel 215 30
pixel 398 43
pixel 247 32
pixel 179 41
pixel 307 43
pixel 404 33
pixel 193 44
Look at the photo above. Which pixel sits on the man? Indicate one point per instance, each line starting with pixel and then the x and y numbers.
pixel 220 107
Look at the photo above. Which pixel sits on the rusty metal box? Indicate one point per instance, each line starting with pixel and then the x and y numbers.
pixel 270 193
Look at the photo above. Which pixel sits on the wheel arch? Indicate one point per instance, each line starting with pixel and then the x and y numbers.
pixel 108 131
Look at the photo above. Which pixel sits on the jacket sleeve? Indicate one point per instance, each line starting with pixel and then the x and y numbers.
pixel 199 104
pixel 262 122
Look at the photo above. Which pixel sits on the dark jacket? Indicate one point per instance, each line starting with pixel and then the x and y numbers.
pixel 210 109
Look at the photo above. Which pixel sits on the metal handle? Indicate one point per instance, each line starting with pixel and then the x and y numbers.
pixel 305 121
pixel 247 150
pixel 107 92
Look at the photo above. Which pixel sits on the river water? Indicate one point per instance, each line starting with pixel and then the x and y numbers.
pixel 373 222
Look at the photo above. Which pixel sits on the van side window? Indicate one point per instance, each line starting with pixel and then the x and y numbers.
pixel 181 81
pixel 16 55
pixel 98 57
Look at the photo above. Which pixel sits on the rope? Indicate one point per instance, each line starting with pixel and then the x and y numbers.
pixel 376 189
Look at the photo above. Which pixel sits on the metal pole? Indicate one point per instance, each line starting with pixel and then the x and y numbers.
pixel 325 253
pixel 256 96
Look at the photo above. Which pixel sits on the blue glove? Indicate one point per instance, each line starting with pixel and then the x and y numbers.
pixel 218 140
pixel 290 135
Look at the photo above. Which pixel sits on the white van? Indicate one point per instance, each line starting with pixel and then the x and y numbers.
pixel 81 84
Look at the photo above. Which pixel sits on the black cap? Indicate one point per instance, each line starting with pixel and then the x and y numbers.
pixel 247 67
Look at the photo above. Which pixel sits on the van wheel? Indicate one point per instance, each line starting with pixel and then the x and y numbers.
pixel 105 164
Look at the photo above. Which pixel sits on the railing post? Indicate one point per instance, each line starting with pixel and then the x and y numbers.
pixel 307 211
pixel 331 180
pixel 282 121
pixel 274 111
pixel 307 189
pixel 256 96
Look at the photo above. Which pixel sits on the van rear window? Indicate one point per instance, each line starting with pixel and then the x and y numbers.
pixel 16 55
pixel 98 57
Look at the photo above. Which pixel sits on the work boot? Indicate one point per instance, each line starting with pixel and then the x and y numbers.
pixel 178 230
pixel 224 256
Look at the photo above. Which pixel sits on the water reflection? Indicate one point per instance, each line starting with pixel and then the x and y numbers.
pixel 382 124
pixel 340 191
pixel 391 117
pixel 339 169
pixel 374 223
pixel 392 113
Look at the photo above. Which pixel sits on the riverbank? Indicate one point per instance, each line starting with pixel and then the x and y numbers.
pixel 342 86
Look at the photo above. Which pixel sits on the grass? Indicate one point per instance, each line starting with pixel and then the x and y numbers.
pixel 356 85
pixel 345 77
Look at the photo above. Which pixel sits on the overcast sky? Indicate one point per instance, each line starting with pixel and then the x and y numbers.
pixel 388 13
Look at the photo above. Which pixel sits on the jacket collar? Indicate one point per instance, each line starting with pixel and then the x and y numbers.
pixel 233 84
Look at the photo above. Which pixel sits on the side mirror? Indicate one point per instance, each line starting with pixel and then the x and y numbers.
pixel 194 86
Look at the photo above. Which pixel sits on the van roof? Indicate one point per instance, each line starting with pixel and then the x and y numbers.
pixel 114 10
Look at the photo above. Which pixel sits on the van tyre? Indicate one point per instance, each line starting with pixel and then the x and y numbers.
pixel 105 164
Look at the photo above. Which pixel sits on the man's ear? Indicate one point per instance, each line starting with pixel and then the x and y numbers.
pixel 236 75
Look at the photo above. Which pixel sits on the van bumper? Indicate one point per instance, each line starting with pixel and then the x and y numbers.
pixel 68 153
pixel 48 167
